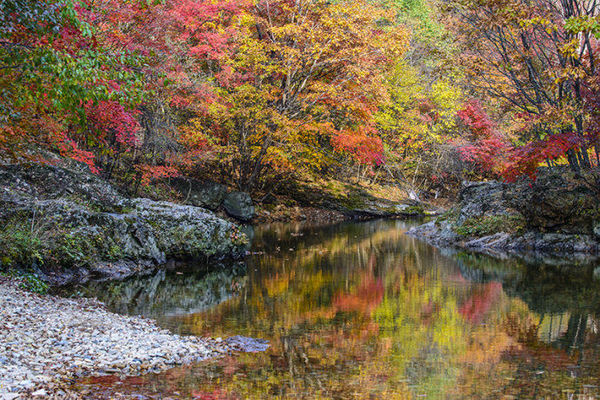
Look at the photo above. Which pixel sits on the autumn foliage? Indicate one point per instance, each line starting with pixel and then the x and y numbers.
pixel 486 149
pixel 255 92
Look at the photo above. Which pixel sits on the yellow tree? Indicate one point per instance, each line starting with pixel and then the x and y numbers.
pixel 300 74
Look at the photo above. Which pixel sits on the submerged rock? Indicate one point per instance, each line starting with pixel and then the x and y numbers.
pixel 247 344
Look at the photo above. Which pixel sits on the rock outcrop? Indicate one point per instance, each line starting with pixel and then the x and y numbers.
pixel 73 226
pixel 555 214
pixel 239 205
pixel 215 197
pixel 200 194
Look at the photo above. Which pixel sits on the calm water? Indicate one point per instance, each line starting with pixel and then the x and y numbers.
pixel 362 311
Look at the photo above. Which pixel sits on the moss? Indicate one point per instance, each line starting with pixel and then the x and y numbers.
pixel 124 209
pixel 451 216
pixel 489 225
pixel 414 210
pixel 353 200
pixel 155 223
pixel 114 253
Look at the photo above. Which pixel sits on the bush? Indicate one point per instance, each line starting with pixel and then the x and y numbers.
pixel 19 246
pixel 28 281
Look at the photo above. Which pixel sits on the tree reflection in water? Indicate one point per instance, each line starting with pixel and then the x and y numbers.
pixel 360 310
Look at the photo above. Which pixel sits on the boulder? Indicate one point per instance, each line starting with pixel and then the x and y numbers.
pixel 239 205
pixel 47 182
pixel 480 199
pixel 555 202
pixel 558 213
pixel 200 194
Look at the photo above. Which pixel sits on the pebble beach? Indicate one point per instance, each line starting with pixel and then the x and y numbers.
pixel 46 341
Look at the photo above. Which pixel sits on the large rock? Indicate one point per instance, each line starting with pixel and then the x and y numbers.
pixel 555 202
pixel 200 194
pixel 35 181
pixel 479 199
pixel 554 214
pixel 74 233
pixel 239 205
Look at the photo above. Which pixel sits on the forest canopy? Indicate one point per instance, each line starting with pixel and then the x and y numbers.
pixel 256 92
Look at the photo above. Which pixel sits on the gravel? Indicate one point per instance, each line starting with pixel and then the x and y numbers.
pixel 46 340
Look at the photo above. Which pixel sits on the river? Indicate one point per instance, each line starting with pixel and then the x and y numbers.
pixel 363 311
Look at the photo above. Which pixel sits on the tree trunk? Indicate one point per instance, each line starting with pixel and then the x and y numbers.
pixel 573 163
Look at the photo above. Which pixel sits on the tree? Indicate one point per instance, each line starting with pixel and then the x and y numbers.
pixel 55 74
pixel 298 78
pixel 526 55
pixel 482 145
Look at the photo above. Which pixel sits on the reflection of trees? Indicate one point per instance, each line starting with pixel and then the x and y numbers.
pixel 553 290
pixel 351 315
pixel 424 328
pixel 565 296
pixel 168 293
pixel 362 311
pixel 552 327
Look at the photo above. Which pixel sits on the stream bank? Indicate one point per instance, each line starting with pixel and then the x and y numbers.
pixel 48 340
pixel 70 226
pixel 555 214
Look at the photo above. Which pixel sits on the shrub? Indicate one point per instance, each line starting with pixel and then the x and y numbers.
pixel 19 246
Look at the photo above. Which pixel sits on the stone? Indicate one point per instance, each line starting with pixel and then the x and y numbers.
pixel 239 205
pixel 200 194
pixel 555 214
pixel 95 232
pixel 248 345
pixel 554 202
pixel 99 342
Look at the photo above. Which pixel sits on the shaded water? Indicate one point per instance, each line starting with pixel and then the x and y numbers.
pixel 360 310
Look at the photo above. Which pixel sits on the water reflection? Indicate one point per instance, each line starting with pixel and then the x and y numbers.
pixel 164 294
pixel 363 311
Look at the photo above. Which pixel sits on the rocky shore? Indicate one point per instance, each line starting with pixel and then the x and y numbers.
pixel 46 340
pixel 555 215
pixel 70 226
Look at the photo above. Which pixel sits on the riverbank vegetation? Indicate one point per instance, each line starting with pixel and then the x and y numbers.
pixel 257 94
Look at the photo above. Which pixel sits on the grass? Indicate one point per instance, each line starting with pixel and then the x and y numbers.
pixel 489 225
pixel 20 245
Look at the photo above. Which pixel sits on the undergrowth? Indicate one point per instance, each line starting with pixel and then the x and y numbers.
pixel 27 281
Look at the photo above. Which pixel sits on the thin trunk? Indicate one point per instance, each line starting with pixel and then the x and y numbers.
pixel 573 163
